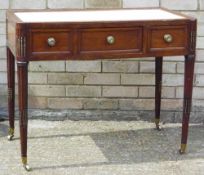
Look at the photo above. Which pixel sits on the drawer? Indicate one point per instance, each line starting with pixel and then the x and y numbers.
pixel 47 42
pixel 110 40
pixel 167 38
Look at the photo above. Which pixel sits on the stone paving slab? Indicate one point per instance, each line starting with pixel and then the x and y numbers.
pixel 103 148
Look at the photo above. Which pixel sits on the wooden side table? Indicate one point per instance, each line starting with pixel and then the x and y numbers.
pixel 92 34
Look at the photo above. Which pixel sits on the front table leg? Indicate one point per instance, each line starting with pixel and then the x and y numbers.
pixel 188 87
pixel 11 92
pixel 158 89
pixel 23 104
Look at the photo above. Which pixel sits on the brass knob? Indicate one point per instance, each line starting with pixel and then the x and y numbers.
pixel 110 39
pixel 51 41
pixel 168 38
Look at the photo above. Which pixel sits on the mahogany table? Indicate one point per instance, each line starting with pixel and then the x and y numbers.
pixel 93 34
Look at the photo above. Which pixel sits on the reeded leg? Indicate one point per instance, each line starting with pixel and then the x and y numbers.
pixel 11 92
pixel 188 87
pixel 23 104
pixel 158 87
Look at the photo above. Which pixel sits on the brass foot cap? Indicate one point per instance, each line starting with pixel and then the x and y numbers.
pixel 158 128
pixel 26 167
pixel 182 149
pixel 156 121
pixel 10 134
pixel 10 137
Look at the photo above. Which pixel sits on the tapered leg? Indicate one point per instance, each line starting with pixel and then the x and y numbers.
pixel 188 87
pixel 11 92
pixel 158 88
pixel 23 104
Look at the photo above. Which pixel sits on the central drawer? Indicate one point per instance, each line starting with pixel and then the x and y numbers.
pixel 110 40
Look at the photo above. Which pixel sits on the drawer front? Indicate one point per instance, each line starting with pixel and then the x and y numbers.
pixel 48 42
pixel 164 38
pixel 110 40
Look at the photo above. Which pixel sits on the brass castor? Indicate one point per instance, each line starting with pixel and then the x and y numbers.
pixel 157 124
pixel 158 128
pixel 25 165
pixel 182 150
pixel 10 134
pixel 10 137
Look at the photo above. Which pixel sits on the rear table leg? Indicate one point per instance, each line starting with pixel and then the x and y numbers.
pixel 158 88
pixel 11 92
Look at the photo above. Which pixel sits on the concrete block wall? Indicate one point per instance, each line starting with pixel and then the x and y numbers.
pixel 114 84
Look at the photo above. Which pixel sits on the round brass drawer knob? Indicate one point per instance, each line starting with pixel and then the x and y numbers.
pixel 168 38
pixel 51 41
pixel 110 39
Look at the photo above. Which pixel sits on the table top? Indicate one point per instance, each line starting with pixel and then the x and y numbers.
pixel 97 15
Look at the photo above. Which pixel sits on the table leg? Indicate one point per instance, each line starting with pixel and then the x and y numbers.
pixel 158 89
pixel 11 92
pixel 188 88
pixel 23 104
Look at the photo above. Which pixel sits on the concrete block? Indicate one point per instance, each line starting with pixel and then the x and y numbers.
pixel 2 15
pixel 72 4
pixel 2 40
pixel 99 79
pixel 65 103
pixel 180 4
pixel 174 58
pixel 169 67
pixel 200 43
pixel 4 101
pixel 120 91
pixel 28 4
pixel 93 103
pixel 172 104
pixel 3 90
pixel 173 80
pixel 3 77
pixel 47 66
pixel 137 79
pixel 201 4
pixel 179 92
pixel 200 29
pixel 140 4
pixel 4 4
pixel 83 91
pixel 65 78
pixel 199 15
pixel 136 104
pixel 3 66
pixel 180 67
pixel 199 80
pixel 200 55
pixel 198 93
pixel 2 52
pixel 46 90
pixel 37 78
pixel 2 28
pixel 37 102
pixel 83 66
pixel 120 66
pixel 103 4
pixel 199 68
pixel 149 92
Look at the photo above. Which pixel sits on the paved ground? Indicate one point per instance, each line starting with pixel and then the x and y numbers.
pixel 103 148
